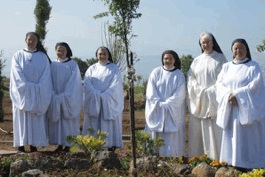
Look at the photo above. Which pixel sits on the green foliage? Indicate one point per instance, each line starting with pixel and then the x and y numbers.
pixel 261 48
pixel 146 146
pixel 194 161
pixel 185 63
pixel 5 163
pixel 123 12
pixel 83 65
pixel 254 173
pixel 89 144
pixel 42 14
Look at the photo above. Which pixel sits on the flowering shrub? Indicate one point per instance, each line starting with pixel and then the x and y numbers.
pixel 194 161
pixel 254 173
pixel 89 144
pixel 147 146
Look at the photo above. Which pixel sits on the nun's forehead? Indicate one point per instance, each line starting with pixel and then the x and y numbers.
pixel 205 36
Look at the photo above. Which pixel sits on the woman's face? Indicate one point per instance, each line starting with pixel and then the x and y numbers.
pixel 31 41
pixel 61 52
pixel 168 61
pixel 102 55
pixel 239 51
pixel 206 44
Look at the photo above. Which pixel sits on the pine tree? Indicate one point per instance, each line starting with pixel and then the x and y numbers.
pixel 42 14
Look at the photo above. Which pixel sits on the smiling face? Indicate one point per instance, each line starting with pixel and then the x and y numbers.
pixel 206 44
pixel 168 61
pixel 31 41
pixel 61 52
pixel 102 55
pixel 239 51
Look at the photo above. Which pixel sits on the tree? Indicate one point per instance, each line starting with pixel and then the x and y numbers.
pixel 42 14
pixel 116 47
pixel 83 65
pixel 185 63
pixel 261 48
pixel 2 87
pixel 123 11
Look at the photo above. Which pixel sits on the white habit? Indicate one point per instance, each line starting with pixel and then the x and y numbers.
pixel 66 102
pixel 204 135
pixel 165 110
pixel 243 142
pixel 30 92
pixel 103 102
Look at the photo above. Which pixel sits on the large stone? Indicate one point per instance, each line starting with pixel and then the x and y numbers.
pixel 203 170
pixel 18 167
pixel 32 173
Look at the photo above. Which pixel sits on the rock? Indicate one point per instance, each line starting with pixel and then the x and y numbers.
pixel 203 170
pixel 182 169
pixel 107 159
pixel 226 172
pixel 18 167
pixel 32 173
pixel 77 163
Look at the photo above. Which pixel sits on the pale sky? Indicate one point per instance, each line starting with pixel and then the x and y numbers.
pixel 165 24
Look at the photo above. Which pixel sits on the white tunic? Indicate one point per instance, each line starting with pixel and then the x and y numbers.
pixel 103 102
pixel 165 110
pixel 30 92
pixel 243 143
pixel 204 134
pixel 66 102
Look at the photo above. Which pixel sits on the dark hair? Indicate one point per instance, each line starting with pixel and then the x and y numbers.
pixel 216 46
pixel 177 63
pixel 69 53
pixel 244 42
pixel 110 57
pixel 39 45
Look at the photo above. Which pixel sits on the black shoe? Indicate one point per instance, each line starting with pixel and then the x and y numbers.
pixel 66 149
pixel 59 148
pixel 21 149
pixel 113 148
pixel 33 148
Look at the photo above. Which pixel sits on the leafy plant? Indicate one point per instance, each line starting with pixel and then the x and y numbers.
pixel 90 144
pixel 146 145
pixel 254 173
pixel 194 161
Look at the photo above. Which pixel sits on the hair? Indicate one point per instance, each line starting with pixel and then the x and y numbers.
pixel 216 46
pixel 39 45
pixel 244 42
pixel 69 53
pixel 110 57
pixel 177 63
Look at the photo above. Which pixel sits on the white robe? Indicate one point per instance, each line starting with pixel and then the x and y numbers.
pixel 30 92
pixel 204 135
pixel 66 102
pixel 165 110
pixel 104 102
pixel 243 143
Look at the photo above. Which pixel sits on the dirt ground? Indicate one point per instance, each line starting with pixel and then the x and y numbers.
pixel 6 132
pixel 6 138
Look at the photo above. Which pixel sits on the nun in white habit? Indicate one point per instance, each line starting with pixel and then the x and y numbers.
pixel 241 110
pixel 165 105
pixel 204 135
pixel 67 98
pixel 30 92
pixel 103 99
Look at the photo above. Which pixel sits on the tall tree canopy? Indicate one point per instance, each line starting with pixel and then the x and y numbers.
pixel 42 14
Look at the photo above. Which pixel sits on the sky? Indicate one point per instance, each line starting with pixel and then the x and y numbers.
pixel 164 24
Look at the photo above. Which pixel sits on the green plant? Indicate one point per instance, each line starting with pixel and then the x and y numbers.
pixel 254 173
pixel 146 145
pixel 194 161
pixel 90 144
pixel 5 163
